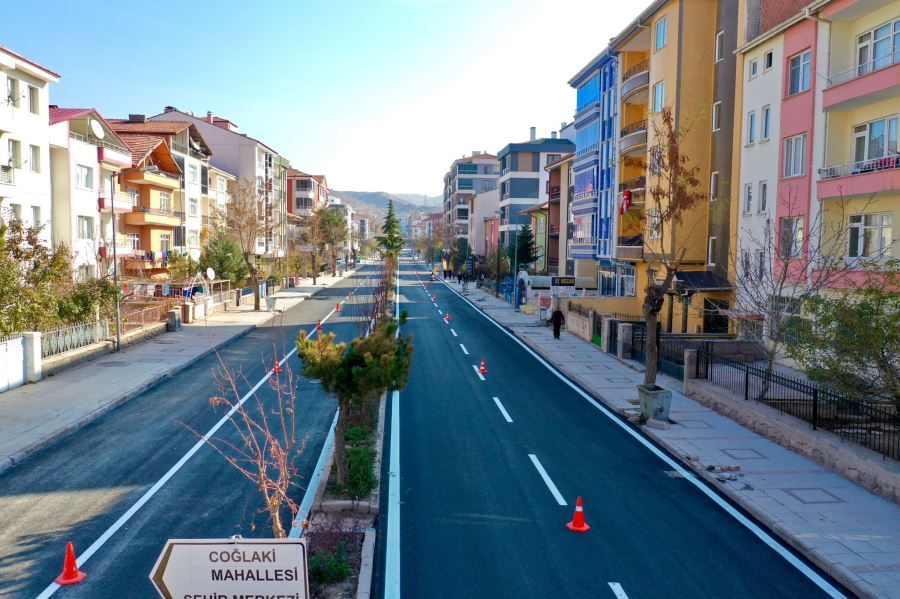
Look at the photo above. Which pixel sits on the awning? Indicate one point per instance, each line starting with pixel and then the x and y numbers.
pixel 702 280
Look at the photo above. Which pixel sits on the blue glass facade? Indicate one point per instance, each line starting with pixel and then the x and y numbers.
pixel 594 167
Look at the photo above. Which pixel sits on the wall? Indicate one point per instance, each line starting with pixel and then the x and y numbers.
pixel 777 11
pixel 83 202
pixel 486 203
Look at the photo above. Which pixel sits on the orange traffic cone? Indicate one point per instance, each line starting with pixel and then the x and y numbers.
pixel 70 573
pixel 578 524
pixel 447 317
pixel 277 368
pixel 434 298
pixel 482 369
pixel 337 307
pixel 319 326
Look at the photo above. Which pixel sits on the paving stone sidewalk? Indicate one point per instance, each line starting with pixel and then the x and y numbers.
pixel 35 415
pixel 847 531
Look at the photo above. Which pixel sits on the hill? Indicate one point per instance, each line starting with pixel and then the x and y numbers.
pixel 378 201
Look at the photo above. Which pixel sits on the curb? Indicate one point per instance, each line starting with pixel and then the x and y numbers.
pixel 65 431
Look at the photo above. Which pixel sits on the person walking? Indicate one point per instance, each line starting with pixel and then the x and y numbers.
pixel 557 320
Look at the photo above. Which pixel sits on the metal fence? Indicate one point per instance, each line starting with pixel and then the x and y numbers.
pixel 68 337
pixel 671 350
pixel 138 319
pixel 870 421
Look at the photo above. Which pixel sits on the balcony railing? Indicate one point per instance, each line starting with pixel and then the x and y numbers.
pixel 859 168
pixel 7 175
pixel 631 241
pixel 633 128
pixel 640 67
pixel 864 69
pixel 90 139
pixel 633 184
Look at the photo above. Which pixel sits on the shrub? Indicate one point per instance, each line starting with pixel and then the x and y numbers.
pixel 356 435
pixel 361 466
pixel 326 567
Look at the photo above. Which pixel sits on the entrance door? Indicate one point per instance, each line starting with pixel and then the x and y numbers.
pixel 714 319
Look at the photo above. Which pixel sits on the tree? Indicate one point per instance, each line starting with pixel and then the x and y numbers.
pixel 182 267
pixel 357 374
pixel 672 191
pixel 855 345
pixel 314 236
pixel 331 229
pixel 223 255
pixel 247 223
pixel 526 253
pixel 390 242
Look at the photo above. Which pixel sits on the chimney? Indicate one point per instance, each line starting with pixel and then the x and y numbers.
pixel 476 152
pixel 533 134
pixel 553 135
pixel 169 109
pixel 562 126
pixel 209 116
pixel 137 118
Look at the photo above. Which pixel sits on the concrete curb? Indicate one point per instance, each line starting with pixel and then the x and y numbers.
pixel 63 432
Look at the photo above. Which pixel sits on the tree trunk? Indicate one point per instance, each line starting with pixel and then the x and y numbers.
pixel 340 446
pixel 651 350
pixel 333 261
pixel 254 280
pixel 315 267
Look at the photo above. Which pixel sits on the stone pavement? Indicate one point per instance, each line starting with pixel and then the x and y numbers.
pixel 847 531
pixel 34 415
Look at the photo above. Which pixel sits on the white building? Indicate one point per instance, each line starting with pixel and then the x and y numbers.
pixel 250 160
pixel 364 231
pixel 24 140
pixel 84 153
pixel 345 210
pixel 467 176
pixel 483 205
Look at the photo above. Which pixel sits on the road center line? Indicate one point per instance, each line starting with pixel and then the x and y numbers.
pixel 502 410
pixel 435 304
pixel 618 590
pixel 439 310
pixel 546 477
pixel 475 368
pixel 454 333
pixel 465 351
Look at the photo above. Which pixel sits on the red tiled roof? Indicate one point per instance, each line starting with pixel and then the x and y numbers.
pixel 6 50
pixel 140 145
pixel 292 172
pixel 319 178
pixel 151 127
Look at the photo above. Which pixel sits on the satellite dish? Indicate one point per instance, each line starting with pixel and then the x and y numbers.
pixel 97 129
pixel 210 274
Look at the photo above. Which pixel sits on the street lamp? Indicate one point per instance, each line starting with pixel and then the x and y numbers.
pixel 112 205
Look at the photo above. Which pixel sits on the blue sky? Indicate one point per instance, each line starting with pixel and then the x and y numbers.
pixel 378 95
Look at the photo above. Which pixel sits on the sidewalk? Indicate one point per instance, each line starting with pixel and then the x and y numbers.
pixel 35 415
pixel 847 531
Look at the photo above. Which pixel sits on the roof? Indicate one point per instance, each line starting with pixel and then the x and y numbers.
pixel 159 128
pixel 702 280
pixel 165 116
pixel 637 23
pixel 59 115
pixel 535 208
pixel 6 50
pixel 563 158
pixel 292 172
pixel 544 144
pixel 140 145
pixel 598 61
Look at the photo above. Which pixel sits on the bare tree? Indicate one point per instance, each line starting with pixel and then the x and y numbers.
pixel 247 221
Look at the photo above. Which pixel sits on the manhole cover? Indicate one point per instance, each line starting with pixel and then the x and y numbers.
pixel 111 364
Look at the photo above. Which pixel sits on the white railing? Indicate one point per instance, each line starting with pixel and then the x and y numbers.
pixel 66 338
pixel 863 69
pixel 7 175
pixel 860 167
pixel 90 139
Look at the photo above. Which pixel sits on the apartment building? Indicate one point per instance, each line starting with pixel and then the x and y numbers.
pixel 561 226
pixel 468 175
pixel 24 141
pixel 215 195
pixel 593 207
pixel 365 231
pixel 305 193
pixel 523 180
pixel 85 152
pixel 192 154
pixel 349 246
pixel 481 206
pixel 249 160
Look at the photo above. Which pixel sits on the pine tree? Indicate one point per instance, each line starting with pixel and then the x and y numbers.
pixel 525 250
pixel 391 241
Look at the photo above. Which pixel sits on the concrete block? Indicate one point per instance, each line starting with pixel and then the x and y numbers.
pixel 32 356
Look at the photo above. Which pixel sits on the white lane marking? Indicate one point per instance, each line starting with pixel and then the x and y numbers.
pixel 439 310
pixel 546 477
pixel 481 376
pixel 761 534
pixel 465 351
pixel 454 333
pixel 124 518
pixel 502 410
pixel 435 304
pixel 618 590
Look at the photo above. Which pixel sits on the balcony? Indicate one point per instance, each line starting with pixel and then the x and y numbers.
pixel 874 80
pixel 145 262
pixel 120 202
pixel 7 175
pixel 633 139
pixel 636 184
pixel 141 216
pixel 863 178
pixel 158 179
pixel 635 82
pixel 630 247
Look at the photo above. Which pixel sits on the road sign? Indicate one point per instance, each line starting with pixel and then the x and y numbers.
pixel 232 568
pixel 470 265
pixel 562 286
pixel 306 249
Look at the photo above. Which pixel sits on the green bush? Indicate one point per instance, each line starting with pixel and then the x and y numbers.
pixel 326 567
pixel 361 466
pixel 356 435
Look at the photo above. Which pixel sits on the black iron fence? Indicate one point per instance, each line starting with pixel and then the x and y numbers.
pixel 870 421
pixel 671 349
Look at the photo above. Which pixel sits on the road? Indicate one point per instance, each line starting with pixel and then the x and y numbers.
pixel 77 488
pixel 478 518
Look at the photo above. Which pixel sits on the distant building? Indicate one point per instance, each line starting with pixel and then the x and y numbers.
pixel 467 176
pixel 363 229
pixel 348 246
pixel 305 193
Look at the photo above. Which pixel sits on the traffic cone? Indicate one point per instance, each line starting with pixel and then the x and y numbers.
pixel 70 573
pixel 447 317
pixel 277 369
pixel 319 326
pixel 337 307
pixel 482 369
pixel 578 524
pixel 434 298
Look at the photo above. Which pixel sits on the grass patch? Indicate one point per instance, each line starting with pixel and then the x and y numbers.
pixel 326 567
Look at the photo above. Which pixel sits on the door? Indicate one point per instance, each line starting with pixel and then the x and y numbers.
pixel 714 319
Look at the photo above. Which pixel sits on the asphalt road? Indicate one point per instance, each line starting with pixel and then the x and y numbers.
pixel 479 520
pixel 77 488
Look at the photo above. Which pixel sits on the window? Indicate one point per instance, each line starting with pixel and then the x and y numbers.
pixel 193 207
pixel 193 238
pixel 12 91
pixel 260 159
pixel 193 173
pixel 134 194
pixel 795 155
pixel 15 153
pixel 874 140
pixel 753 71
pixel 720 46
pixel 791 237
pixel 165 242
pixel 16 210
pixel 748 198
pixel 799 73
pixel 661 33
pixel 86 272
pixel 763 195
pixel 874 48
pixel 751 127
pixel 654 223
pixel 711 251
pixel 34 105
pixel 717 116
pixel 659 96
pixel 164 201
pixel 760 264
pixel 85 227
pixel 714 185
pixel 84 177
pixel 768 60
pixel 657 160
pixel 870 235
pixel 221 184
pixel 746 262
pixel 551 158
pixel 766 123
pixel 36 216
pixel 35 162
pixel 134 241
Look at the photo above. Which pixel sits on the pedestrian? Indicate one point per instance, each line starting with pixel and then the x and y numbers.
pixel 557 319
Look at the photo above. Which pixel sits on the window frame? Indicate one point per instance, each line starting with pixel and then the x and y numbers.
pixel 80 182
pixel 717 115
pixel 747 200
pixel 710 250
pixel 193 174
pixel 867 137
pixel 168 202
pixel 34 162
pixel 859 229
pixel 194 207
pixel 35 216
pixel 659 86
pixel 796 240
pixel 804 69
pixel 664 21
pixel 768 60
pixel 753 69
pixel 763 203
pixel 85 224
pixel 765 123
pixel 713 186
pixel 720 46
pixel 654 224
pixel 751 127
pixel 34 101
pixel 14 149
pixel 789 157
